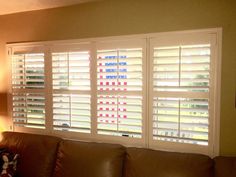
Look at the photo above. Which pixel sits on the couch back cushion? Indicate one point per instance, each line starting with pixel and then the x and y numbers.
pixel 37 153
pixel 225 166
pixel 151 163
pixel 82 159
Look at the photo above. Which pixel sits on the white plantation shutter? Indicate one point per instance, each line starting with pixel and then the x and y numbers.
pixel 119 87
pixel 71 91
pixel 181 86
pixel 28 82
pixel 71 112
pixel 28 71
pixel 29 110
pixel 120 115
pixel 182 120
pixel 152 90
pixel 182 68
pixel 71 70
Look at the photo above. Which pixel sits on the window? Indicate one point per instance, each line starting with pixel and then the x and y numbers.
pixel 120 88
pixel 153 90
pixel 71 89
pixel 182 74
pixel 28 89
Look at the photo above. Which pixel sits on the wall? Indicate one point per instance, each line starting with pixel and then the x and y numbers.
pixel 112 17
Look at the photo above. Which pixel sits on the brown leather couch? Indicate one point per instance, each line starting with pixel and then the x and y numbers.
pixel 48 156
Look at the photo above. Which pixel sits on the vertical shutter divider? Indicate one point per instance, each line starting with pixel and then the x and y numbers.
pixel 48 90
pixel 93 81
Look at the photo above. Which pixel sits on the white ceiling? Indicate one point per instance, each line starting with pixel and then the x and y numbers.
pixel 14 6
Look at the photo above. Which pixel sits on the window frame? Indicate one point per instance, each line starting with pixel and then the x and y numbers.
pixel 67 49
pixel 146 141
pixel 25 49
pixel 191 38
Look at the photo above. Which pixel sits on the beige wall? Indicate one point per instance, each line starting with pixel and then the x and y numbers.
pixel 122 17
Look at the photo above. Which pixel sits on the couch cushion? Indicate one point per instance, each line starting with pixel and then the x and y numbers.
pixel 225 166
pixel 36 153
pixel 151 163
pixel 82 159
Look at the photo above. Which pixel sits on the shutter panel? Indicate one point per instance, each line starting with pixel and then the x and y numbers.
pixel 71 112
pixel 181 80
pixel 28 71
pixel 28 97
pixel 120 115
pixel 181 120
pixel 29 110
pixel 71 91
pixel 119 84
pixel 71 71
pixel 182 68
pixel 120 70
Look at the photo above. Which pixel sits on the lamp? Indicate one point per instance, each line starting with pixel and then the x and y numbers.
pixel 2 123
pixel 1 129
pixel 3 111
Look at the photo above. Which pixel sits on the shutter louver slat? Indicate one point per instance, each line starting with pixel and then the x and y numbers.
pixel 181 69
pixel 119 70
